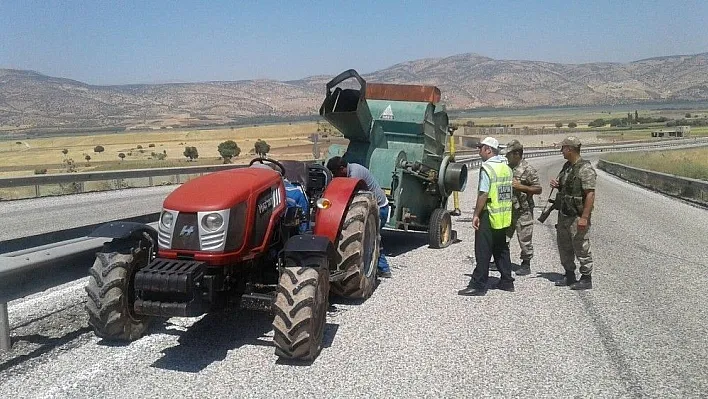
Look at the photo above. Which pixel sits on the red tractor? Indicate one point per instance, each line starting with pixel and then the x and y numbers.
pixel 229 239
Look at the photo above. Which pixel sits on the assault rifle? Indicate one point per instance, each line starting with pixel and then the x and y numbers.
pixel 548 209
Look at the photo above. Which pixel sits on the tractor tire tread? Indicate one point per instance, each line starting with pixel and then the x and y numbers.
pixel 349 247
pixel 295 310
pixel 108 306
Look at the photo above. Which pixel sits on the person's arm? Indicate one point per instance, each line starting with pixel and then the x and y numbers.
pixel 587 180
pixel 481 201
pixel 482 196
pixel 532 189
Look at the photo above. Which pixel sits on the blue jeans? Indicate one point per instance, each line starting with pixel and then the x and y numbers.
pixel 383 214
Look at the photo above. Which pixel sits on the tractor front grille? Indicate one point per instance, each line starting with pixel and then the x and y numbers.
pixel 187 233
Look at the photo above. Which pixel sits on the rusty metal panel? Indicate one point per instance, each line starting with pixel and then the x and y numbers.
pixel 397 92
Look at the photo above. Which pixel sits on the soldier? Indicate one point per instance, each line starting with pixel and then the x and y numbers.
pixel 576 196
pixel 525 184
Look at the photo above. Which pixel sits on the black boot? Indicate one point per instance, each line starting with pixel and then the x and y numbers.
pixel 585 283
pixel 493 267
pixel 568 280
pixel 472 291
pixel 524 268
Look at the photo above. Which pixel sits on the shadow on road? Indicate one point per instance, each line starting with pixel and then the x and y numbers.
pixel 46 344
pixel 395 242
pixel 211 338
pixel 550 276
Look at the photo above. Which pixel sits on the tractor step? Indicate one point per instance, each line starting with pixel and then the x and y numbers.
pixel 256 301
pixel 169 309
pixel 170 287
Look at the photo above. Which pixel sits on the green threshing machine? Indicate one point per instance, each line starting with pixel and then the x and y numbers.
pixel 399 132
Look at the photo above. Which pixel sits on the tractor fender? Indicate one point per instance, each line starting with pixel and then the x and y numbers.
pixel 339 192
pixel 123 230
pixel 304 245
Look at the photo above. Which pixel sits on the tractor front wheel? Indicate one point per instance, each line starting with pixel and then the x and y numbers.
pixel 440 229
pixel 300 309
pixel 110 291
pixel 358 247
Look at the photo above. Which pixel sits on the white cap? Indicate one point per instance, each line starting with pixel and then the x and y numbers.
pixel 489 141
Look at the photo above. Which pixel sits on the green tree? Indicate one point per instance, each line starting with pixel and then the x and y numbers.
pixel 636 116
pixel 261 148
pixel 597 123
pixel 559 125
pixel 572 125
pixel 98 149
pixel 87 158
pixel 191 153
pixel 121 156
pixel 229 149
pixel 64 151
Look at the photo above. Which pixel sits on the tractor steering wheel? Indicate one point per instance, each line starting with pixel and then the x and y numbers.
pixel 271 161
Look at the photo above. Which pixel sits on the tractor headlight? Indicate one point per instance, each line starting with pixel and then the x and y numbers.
pixel 212 221
pixel 323 203
pixel 166 219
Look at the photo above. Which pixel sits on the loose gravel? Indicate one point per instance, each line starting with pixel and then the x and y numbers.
pixel 640 332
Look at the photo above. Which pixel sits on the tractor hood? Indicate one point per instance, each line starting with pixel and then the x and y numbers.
pixel 220 190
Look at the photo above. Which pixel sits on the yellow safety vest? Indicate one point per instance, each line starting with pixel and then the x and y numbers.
pixel 499 202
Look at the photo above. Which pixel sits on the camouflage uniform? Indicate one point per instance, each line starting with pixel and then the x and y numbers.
pixel 522 212
pixel 572 243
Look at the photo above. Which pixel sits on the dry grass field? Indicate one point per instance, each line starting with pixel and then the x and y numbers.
pixel 22 157
pixel 691 163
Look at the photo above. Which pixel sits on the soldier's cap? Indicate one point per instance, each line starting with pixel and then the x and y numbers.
pixel 514 145
pixel 489 141
pixel 571 141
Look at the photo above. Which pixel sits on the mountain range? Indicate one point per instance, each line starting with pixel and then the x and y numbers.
pixel 32 100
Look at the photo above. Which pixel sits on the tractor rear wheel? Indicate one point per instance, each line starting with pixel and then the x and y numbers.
pixel 110 291
pixel 300 309
pixel 358 247
pixel 440 229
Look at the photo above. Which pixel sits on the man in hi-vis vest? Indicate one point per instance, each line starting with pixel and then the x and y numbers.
pixel 492 219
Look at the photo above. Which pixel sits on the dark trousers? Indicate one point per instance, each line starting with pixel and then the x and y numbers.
pixel 489 242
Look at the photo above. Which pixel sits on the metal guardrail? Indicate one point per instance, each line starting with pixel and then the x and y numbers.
pixel 25 272
pixel 81 177
pixel 474 161
pixel 687 189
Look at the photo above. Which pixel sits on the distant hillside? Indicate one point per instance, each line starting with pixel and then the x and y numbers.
pixel 30 99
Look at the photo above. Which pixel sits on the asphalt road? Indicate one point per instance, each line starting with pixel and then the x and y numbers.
pixel 641 332
pixel 23 218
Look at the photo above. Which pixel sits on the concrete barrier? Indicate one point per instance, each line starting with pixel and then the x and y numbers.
pixel 692 190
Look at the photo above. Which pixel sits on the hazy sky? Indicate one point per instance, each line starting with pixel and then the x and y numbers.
pixel 150 41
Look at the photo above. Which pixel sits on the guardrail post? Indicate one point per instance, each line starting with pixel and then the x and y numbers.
pixel 36 190
pixel 5 344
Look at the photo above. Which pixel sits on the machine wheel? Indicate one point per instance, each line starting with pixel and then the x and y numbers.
pixel 110 291
pixel 358 248
pixel 300 310
pixel 440 229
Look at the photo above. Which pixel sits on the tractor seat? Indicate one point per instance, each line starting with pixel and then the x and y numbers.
pixel 296 172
